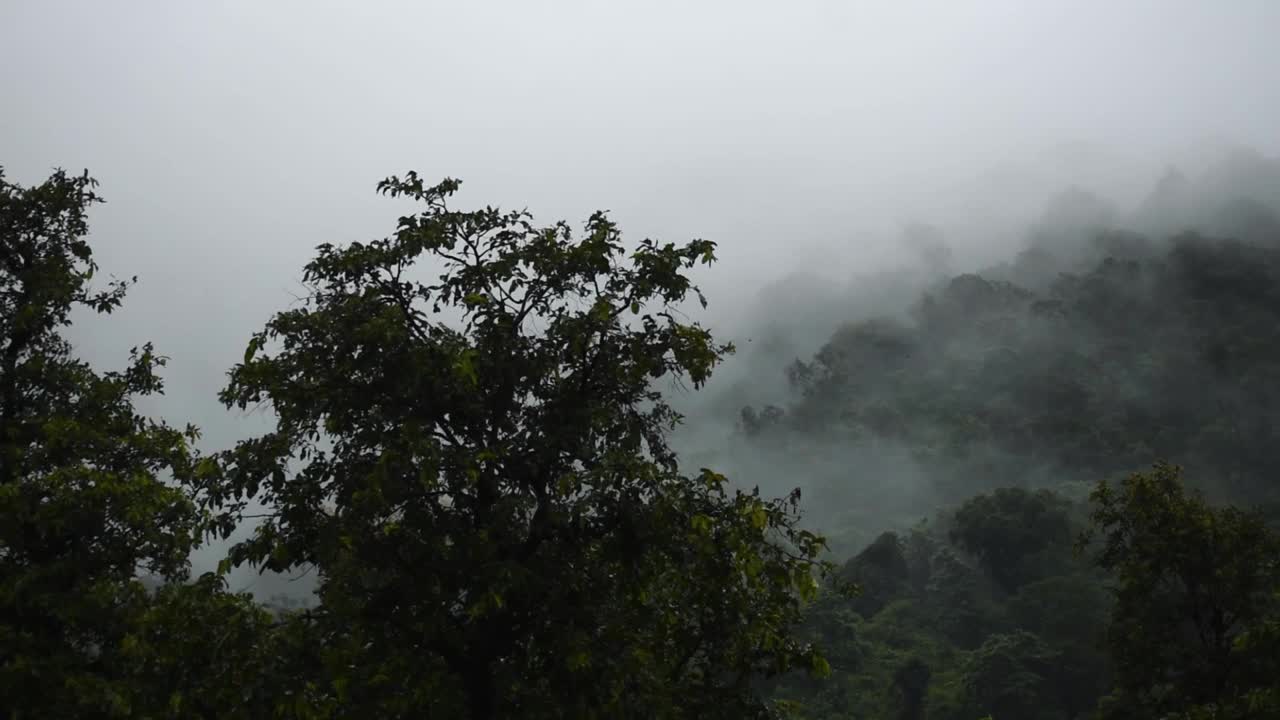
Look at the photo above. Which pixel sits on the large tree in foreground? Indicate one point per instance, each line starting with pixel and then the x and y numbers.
pixel 83 508
pixel 498 522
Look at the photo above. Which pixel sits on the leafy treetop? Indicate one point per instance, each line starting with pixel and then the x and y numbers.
pixel 500 526
pixel 83 507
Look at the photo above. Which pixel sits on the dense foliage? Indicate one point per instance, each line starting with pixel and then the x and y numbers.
pixel 499 526
pixel 82 506
pixel 472 449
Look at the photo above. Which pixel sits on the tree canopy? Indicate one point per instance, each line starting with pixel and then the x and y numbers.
pixel 84 505
pixel 1194 586
pixel 498 522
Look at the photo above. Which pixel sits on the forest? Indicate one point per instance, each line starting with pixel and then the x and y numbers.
pixel 475 447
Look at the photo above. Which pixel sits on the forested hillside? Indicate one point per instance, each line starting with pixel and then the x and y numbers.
pixel 1094 351
pixel 1013 391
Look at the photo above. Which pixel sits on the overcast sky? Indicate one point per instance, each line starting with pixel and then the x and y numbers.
pixel 233 137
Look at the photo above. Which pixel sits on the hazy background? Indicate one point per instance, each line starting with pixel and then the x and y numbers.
pixel 233 137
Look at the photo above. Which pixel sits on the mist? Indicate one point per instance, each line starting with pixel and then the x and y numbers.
pixel 812 141
pixel 814 397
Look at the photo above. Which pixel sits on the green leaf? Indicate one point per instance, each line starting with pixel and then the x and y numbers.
pixel 700 524
pixel 255 344
pixel 579 660
pixel 820 667
pixel 465 367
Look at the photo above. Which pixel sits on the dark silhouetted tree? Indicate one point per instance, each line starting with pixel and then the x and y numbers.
pixel 498 522
pixel 83 504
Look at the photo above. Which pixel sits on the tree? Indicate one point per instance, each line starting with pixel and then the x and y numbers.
pixel 1008 677
pixel 910 683
pixel 1068 612
pixel 1196 596
pixel 83 507
pixel 499 525
pixel 1017 534
pixel 880 572
pixel 199 651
